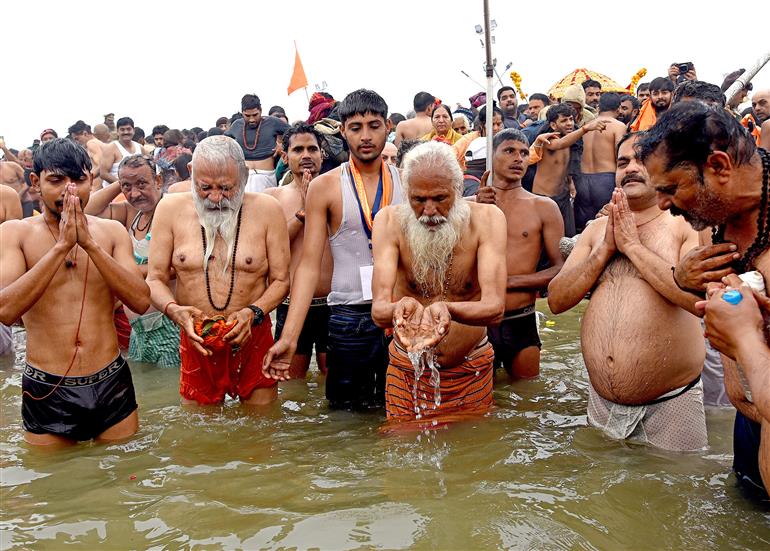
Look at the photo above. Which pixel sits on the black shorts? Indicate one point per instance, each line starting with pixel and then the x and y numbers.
pixel 315 331
pixel 81 408
pixel 747 436
pixel 517 331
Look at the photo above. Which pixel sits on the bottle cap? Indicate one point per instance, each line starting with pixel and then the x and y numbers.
pixel 732 296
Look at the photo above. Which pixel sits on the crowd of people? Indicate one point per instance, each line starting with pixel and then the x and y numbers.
pixel 381 242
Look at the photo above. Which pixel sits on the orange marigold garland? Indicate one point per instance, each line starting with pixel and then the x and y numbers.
pixel 516 78
pixel 635 79
pixel 213 331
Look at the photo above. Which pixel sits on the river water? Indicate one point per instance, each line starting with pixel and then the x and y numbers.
pixel 530 475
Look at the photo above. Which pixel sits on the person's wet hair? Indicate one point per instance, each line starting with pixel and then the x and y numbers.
pixel 361 102
pixel 301 128
pixel 124 121
pixel 61 156
pixel 699 90
pixel 690 131
pixel 138 161
pixel 609 101
pixel 78 128
pixel 405 147
pixel 250 101
pixel 627 137
pixel 509 134
pixel 633 99
pixel 422 100
pixel 180 165
pixel 560 109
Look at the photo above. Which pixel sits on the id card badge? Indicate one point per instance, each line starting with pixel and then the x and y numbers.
pixel 366 273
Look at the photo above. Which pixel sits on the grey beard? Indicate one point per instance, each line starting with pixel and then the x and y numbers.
pixel 432 249
pixel 222 221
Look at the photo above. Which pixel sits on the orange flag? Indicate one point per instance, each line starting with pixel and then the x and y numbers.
pixel 298 78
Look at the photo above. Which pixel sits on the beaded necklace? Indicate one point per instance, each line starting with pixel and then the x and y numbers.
pixel 256 138
pixel 232 267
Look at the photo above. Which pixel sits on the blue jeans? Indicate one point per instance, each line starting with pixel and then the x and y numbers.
pixel 357 359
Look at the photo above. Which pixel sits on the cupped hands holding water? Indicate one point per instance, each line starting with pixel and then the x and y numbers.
pixel 419 327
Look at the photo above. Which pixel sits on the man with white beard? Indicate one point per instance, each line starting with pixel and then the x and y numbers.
pixel 230 252
pixel 439 280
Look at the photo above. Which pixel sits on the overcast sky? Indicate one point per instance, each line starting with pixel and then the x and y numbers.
pixel 186 64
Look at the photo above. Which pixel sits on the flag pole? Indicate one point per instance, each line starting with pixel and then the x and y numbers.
pixel 742 80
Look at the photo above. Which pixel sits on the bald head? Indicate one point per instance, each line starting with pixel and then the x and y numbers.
pixel 760 102
pixel 102 133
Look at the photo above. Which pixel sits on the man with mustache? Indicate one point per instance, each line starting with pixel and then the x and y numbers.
pixel 340 208
pixel 153 337
pixel 230 252
pixel 302 153
pixel 535 226
pixel 61 273
pixel 653 392
pixel 439 280
pixel 706 167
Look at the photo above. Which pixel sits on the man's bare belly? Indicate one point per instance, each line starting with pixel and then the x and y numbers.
pixel 516 300
pixel 458 343
pixel 636 345
pixel 263 164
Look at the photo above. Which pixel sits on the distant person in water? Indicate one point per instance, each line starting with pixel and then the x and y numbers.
pixel 439 280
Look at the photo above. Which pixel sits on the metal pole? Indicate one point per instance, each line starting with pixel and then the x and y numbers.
pixel 742 80
pixel 490 77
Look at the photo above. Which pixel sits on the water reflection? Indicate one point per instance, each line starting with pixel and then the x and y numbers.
pixel 529 475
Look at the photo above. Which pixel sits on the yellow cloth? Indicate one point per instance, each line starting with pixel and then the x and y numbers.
pixel 451 138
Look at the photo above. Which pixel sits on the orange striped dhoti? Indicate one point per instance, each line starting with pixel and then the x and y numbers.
pixel 465 388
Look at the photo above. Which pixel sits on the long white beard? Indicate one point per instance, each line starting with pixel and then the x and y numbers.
pixel 432 248
pixel 218 219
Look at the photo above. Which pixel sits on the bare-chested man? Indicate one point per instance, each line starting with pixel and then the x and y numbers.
pixel 552 176
pixel 760 103
pixel 257 137
pixel 642 346
pixel 596 182
pixel 719 180
pixel 116 151
pixel 302 153
pixel 439 280
pixel 10 209
pixel 66 270
pixel 153 337
pixel 81 133
pixel 102 133
pixel 412 129
pixel 230 252
pixel 12 175
pixel 340 207
pixel 534 226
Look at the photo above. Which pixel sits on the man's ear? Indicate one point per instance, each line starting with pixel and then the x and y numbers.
pixel 720 165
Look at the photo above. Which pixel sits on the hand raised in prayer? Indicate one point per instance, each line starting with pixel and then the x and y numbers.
pixel 277 361
pixel 624 226
pixel 702 265
pixel 85 239
pixel 68 231
pixel 241 332
pixel 609 232
pixel 407 317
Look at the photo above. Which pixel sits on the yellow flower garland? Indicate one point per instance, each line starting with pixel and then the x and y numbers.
pixel 516 78
pixel 636 78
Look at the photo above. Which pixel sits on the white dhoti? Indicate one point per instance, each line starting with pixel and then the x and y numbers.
pixel 260 180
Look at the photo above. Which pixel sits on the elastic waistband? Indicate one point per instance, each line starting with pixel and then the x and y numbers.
pixel 674 393
pixel 481 344
pixel 354 308
pixel 519 312
pixel 320 301
pixel 86 380
pixel 261 171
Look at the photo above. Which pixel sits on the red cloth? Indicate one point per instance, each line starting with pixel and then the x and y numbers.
pixel 207 379
pixel 122 327
pixel 319 107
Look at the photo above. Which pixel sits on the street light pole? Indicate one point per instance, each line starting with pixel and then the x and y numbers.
pixel 490 76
